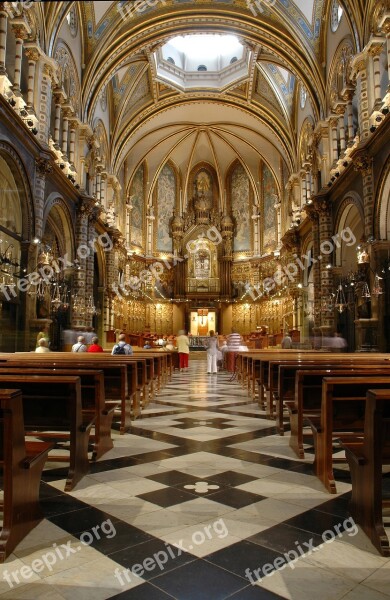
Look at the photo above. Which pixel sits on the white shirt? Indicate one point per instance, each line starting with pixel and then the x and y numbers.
pixel 79 347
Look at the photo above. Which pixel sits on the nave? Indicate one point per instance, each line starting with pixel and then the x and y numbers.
pixel 189 506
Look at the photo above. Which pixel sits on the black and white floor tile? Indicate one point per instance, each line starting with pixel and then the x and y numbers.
pixel 189 506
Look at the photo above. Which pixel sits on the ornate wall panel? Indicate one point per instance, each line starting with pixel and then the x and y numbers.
pixel 166 199
pixel 137 195
pixel 269 213
pixel 240 199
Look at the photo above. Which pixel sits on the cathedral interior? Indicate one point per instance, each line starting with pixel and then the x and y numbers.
pixel 169 164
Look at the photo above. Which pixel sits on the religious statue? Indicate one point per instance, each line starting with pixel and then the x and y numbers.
pixel 203 183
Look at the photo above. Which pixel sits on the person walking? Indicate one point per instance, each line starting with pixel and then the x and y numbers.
pixel 287 342
pixel 212 353
pixel 183 347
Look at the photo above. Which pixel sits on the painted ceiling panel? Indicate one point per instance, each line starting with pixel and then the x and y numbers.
pixel 100 9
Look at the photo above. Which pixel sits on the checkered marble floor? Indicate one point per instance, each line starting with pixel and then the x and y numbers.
pixel 193 504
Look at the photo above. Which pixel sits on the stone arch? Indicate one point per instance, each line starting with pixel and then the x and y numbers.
pixel 57 213
pixel 18 170
pixel 340 73
pixel 350 216
pixel 382 212
pixel 68 75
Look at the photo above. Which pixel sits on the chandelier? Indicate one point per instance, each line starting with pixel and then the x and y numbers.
pixel 340 303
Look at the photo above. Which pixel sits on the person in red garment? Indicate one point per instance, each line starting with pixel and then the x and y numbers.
pixel 94 347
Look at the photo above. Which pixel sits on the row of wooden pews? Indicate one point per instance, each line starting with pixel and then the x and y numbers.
pixel 329 393
pixel 70 402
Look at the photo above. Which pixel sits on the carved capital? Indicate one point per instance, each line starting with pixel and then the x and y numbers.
pixel 374 47
pixel 311 212
pixel 43 166
pixel 291 241
pixel 32 54
pixel 359 64
pixel 86 207
pixel 322 206
pixel 362 163
pixel 20 31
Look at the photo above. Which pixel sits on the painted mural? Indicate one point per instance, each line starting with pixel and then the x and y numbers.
pixel 240 197
pixel 269 198
pixel 166 200
pixel 137 213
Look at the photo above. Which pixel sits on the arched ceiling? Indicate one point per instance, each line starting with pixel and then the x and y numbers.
pixel 251 117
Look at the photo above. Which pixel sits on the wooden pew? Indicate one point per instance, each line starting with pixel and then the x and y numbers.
pixel 92 395
pixel 52 409
pixel 342 418
pixel 286 371
pixel 21 465
pixel 115 371
pixel 365 459
pixel 308 396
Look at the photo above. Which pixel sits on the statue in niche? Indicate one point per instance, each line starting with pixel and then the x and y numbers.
pixel 203 183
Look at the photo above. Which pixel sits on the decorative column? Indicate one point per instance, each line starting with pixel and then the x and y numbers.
pixel 303 189
pixel 42 168
pixel 313 217
pixel 3 37
pixel 32 54
pixel 340 109
pixel 72 140
pixel 333 122
pixel 324 209
pixel 21 31
pixel 374 48
pixel 348 97
pixel 308 183
pixel 362 163
pixel 65 132
pixel 90 265
pixel 80 278
pixel 359 72
pixel 149 230
pixel 112 290
pixel 256 230
pixel 58 101
pixel 98 184
pixel 278 209
pixel 227 230
pixel 102 192
pixel 43 109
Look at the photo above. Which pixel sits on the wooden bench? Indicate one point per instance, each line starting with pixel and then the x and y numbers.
pixel 366 458
pixel 115 372
pixel 285 393
pixel 92 396
pixel 52 410
pixel 342 418
pixel 308 397
pixel 21 465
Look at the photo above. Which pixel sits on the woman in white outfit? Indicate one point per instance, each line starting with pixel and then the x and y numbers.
pixel 212 353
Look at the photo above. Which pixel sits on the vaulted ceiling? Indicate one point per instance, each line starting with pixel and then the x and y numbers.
pixel 252 116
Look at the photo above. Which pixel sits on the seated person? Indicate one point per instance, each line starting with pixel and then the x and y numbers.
pixel 122 347
pixel 95 347
pixel 80 345
pixel 42 346
pixel 147 346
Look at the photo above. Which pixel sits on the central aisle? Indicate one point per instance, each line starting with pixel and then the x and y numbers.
pixel 198 497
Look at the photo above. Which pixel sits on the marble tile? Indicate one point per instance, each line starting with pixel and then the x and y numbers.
pixel 380 579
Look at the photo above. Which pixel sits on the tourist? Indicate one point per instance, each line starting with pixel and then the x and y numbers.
pixel 212 353
pixel 287 342
pixel 42 346
pixel 122 347
pixel 183 346
pixel 94 347
pixel 80 345
pixel 234 341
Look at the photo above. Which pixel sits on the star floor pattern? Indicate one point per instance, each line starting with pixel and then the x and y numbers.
pixel 200 501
